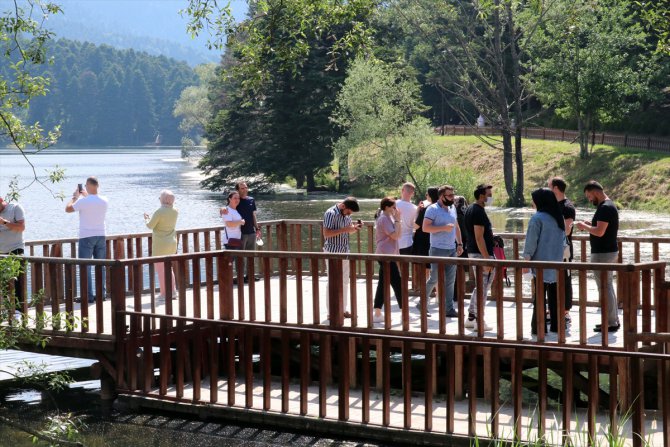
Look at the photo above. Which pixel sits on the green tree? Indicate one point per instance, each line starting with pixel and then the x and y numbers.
pixel 657 16
pixel 286 64
pixel 194 107
pixel 385 139
pixel 22 39
pixel 591 62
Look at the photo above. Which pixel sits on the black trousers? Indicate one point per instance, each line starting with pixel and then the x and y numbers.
pixel 550 296
pixel 568 289
pixel 20 282
pixel 396 285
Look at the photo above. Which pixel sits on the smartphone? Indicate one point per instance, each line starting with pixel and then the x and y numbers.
pixel 80 187
pixel 359 223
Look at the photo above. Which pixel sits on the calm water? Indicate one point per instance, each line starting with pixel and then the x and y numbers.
pixel 133 178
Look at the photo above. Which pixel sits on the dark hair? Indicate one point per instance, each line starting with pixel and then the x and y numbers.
pixel 351 203
pixel 92 180
pixel 591 185
pixel 558 182
pixel 237 185
pixel 481 189
pixel 385 203
pixel 231 194
pixel 433 193
pixel 460 202
pixel 443 189
pixel 545 201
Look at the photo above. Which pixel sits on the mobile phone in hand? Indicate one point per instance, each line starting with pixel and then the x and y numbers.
pixel 80 187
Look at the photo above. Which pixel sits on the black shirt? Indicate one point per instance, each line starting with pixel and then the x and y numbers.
pixel 476 215
pixel 569 212
pixel 606 243
pixel 246 209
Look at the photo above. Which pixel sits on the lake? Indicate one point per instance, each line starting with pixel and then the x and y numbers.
pixel 132 179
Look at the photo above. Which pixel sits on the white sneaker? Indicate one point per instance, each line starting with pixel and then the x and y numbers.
pixel 378 318
pixel 472 324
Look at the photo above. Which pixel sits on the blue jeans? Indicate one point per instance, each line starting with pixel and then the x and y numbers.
pixel 449 276
pixel 487 281
pixel 93 247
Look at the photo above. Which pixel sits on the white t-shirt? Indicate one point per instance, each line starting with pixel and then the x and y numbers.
pixel 234 232
pixel 407 218
pixel 92 211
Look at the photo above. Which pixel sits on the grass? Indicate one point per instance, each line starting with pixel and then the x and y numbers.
pixel 634 179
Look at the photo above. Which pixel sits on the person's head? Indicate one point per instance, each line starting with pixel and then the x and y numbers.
pixel 446 193
pixel 460 203
pixel 545 201
pixel 484 194
pixel 92 185
pixel 433 194
pixel 594 193
pixel 233 199
pixel 167 198
pixel 242 188
pixel 349 206
pixel 557 186
pixel 407 191
pixel 387 205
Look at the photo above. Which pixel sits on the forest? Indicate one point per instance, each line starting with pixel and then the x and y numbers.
pixel 101 96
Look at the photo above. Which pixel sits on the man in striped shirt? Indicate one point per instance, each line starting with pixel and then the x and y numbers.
pixel 337 225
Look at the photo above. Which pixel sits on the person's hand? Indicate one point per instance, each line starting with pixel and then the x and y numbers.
pixel 223 211
pixel 146 216
pixel 421 205
pixel 242 222
pixel 459 250
pixel 352 228
pixel 3 221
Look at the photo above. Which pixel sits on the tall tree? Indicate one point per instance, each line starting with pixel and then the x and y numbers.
pixel 288 63
pixel 479 57
pixel 592 62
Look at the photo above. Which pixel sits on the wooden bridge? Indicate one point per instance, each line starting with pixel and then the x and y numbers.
pixel 265 351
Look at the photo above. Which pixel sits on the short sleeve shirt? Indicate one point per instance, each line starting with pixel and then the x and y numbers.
pixel 386 245
pixel 607 243
pixel 407 218
pixel 11 240
pixel 92 211
pixel 333 219
pixel 246 208
pixel 232 232
pixel 441 216
pixel 476 215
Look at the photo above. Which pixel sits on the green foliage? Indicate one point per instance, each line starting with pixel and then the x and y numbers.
pixel 657 17
pixel 276 91
pixel 590 62
pixel 60 427
pixel 194 107
pixel 385 140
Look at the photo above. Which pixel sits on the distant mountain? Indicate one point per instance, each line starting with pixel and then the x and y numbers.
pixel 154 26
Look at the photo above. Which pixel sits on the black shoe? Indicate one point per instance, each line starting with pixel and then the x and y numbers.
pixel 452 313
pixel 614 328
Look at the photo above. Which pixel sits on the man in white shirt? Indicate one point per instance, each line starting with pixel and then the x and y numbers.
pixel 12 226
pixel 407 218
pixel 92 209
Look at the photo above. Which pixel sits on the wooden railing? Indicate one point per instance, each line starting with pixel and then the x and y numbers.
pixel 651 143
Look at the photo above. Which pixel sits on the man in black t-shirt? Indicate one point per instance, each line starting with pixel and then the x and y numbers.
pixel 603 230
pixel 480 245
pixel 558 187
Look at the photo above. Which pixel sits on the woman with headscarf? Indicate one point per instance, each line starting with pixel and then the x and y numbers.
pixel 545 239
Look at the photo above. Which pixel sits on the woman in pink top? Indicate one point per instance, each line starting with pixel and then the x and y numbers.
pixel 388 232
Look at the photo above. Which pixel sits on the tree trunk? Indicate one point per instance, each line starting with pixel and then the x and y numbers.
pixel 299 181
pixel 310 181
pixel 517 94
pixel 583 130
pixel 519 199
pixel 508 170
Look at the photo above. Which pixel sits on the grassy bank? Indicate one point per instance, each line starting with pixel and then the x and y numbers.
pixel 635 179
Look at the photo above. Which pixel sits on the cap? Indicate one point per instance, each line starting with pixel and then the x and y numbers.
pixel 591 185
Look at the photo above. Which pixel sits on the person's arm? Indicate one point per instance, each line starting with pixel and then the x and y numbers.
pixel 459 241
pixel 256 227
pixel 328 233
pixel 428 226
pixel 481 243
pixel 598 230
pixel 151 223
pixel 397 229
pixel 69 208
pixel 568 225
pixel 17 227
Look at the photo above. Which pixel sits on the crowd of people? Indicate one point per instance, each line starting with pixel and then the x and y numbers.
pixel 444 225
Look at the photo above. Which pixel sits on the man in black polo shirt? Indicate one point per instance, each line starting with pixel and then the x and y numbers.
pixel 480 245
pixel 558 187
pixel 603 230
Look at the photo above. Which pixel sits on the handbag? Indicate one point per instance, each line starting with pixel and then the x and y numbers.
pixel 233 242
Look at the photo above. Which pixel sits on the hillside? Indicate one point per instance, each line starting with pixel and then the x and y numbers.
pixel 635 179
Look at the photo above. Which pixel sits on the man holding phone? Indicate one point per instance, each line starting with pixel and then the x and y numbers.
pixel 92 209
pixel 337 226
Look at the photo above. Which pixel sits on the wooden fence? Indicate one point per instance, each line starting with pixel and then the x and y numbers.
pixel 656 144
